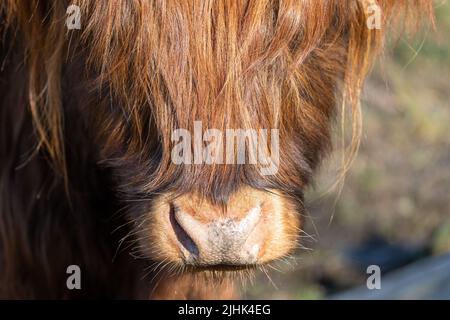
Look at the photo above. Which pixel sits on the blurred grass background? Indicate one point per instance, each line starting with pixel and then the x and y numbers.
pixel 395 205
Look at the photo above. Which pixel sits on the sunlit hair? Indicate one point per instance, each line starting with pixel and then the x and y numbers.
pixel 243 59
pixel 145 68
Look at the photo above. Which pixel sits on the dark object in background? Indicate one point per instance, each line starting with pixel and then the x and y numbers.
pixel 425 279
pixel 388 256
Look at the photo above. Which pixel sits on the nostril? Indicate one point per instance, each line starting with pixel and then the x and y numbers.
pixel 181 234
pixel 196 230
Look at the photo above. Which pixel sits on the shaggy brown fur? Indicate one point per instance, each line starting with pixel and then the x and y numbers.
pixel 86 118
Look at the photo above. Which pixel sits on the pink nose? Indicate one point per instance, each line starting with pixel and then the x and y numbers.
pixel 224 241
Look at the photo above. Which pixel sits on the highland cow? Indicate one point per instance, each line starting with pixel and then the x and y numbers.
pixel 87 117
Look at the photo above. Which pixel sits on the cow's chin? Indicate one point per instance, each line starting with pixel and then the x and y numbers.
pixel 191 235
